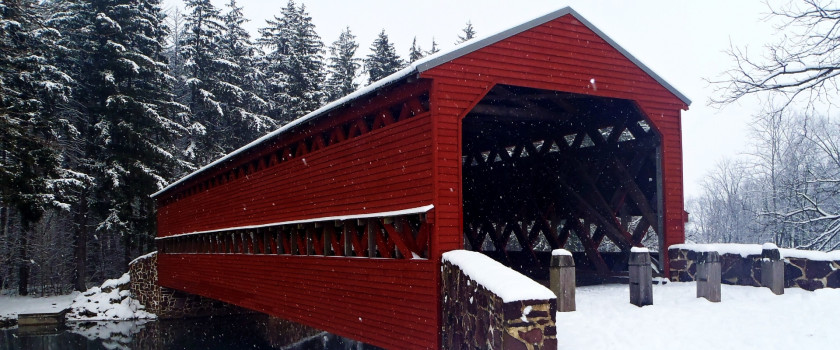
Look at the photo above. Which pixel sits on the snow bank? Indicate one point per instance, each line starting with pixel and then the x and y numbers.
pixel 639 250
pixel 755 249
pixel 12 306
pixel 746 318
pixel 499 279
pixel 109 302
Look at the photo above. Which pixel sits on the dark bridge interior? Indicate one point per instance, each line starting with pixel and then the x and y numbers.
pixel 546 169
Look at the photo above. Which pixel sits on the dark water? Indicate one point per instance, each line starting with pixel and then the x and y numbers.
pixel 228 332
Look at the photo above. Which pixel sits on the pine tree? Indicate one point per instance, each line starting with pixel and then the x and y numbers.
pixel 383 59
pixel 31 85
pixel 244 108
pixel 343 66
pixel 434 48
pixel 415 52
pixel 469 33
pixel 200 49
pixel 293 64
pixel 124 118
pixel 177 32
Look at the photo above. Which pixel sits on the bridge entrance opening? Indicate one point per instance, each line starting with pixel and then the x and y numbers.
pixel 546 169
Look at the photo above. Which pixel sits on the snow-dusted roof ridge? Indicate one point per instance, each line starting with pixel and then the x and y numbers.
pixel 425 64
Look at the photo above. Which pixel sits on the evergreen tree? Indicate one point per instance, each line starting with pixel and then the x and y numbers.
pixel 468 33
pixel 243 105
pixel 434 48
pixel 343 66
pixel 31 86
pixel 123 115
pixel 415 52
pixel 200 49
pixel 177 32
pixel 383 59
pixel 293 64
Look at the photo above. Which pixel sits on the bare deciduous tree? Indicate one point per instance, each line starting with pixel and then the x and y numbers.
pixel 801 67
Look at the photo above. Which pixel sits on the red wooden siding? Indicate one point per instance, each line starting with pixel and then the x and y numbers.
pixel 388 303
pixel 384 170
pixel 561 55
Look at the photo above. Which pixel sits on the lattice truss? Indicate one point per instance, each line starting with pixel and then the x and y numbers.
pixel 545 170
pixel 399 237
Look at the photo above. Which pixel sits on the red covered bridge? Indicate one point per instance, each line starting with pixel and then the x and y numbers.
pixel 543 136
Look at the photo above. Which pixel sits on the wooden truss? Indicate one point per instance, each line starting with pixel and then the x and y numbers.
pixel 539 173
pixel 399 237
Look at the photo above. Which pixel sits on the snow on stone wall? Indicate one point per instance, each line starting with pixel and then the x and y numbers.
pixel 486 305
pixel 741 265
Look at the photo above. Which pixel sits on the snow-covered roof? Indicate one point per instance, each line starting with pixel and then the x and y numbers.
pixel 423 65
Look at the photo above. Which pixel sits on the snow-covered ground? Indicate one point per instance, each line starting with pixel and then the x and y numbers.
pixel 11 306
pixel 109 302
pixel 746 318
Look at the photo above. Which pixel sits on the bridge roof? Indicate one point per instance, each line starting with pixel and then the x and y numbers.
pixel 420 66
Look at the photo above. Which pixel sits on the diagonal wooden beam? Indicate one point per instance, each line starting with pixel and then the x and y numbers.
pixel 589 248
pixel 633 190
pixel 397 238
pixel 598 210
pixel 640 231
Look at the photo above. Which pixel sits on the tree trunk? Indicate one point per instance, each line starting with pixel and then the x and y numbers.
pixel 4 232
pixel 80 241
pixel 23 267
pixel 126 250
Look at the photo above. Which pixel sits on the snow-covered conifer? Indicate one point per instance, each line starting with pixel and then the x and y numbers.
pixel 468 33
pixel 243 106
pixel 383 59
pixel 343 66
pixel 434 48
pixel 30 87
pixel 415 52
pixel 123 110
pixel 293 64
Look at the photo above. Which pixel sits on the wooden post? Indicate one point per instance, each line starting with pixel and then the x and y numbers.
pixel 279 235
pixel 371 237
pixel 562 279
pixel 346 239
pixel 329 228
pixel 772 269
pixel 641 277
pixel 708 276
pixel 310 240
pixel 293 241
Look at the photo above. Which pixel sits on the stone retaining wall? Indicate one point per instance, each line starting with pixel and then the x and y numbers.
pixel 170 303
pixel 475 318
pixel 746 270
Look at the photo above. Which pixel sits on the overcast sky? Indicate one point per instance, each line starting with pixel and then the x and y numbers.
pixel 682 41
